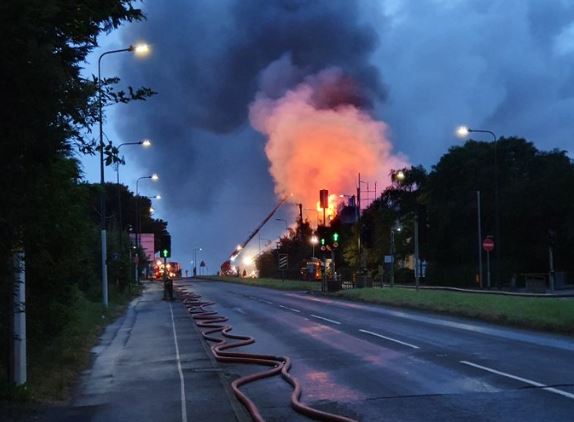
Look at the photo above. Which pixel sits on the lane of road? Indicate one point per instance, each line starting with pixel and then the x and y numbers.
pixel 380 363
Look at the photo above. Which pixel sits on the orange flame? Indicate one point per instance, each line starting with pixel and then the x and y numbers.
pixel 312 148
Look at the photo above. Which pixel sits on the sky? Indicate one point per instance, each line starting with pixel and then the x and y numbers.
pixel 258 99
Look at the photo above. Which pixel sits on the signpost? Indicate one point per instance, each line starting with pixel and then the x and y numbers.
pixel 283 264
pixel 488 246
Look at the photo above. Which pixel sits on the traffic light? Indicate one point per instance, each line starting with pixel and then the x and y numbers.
pixel 335 239
pixel 165 246
pixel 322 241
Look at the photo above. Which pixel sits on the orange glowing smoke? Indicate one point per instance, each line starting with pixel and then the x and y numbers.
pixel 312 147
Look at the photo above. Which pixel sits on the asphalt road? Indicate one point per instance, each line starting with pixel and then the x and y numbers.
pixel 385 364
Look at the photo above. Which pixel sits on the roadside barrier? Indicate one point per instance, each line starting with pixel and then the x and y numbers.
pixel 210 323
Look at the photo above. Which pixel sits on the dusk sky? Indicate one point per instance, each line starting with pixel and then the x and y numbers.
pixel 399 75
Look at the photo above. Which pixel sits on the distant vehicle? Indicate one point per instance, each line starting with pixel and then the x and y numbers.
pixel 173 270
pixel 312 269
pixel 227 269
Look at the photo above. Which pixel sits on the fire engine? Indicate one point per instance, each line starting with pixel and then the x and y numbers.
pixel 173 270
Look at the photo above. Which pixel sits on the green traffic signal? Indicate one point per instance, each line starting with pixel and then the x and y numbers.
pixel 335 237
pixel 165 253
pixel 322 242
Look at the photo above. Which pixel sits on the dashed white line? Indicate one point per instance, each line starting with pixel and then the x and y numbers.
pixel 389 338
pixel 267 302
pixel 517 378
pixel 288 308
pixel 181 379
pixel 326 319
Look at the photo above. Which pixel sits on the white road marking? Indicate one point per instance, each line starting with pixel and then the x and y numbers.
pixel 326 319
pixel 514 377
pixel 241 311
pixel 288 308
pixel 266 301
pixel 389 338
pixel 181 380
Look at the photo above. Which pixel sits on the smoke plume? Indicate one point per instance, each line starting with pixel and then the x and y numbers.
pixel 320 136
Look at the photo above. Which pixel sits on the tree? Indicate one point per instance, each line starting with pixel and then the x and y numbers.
pixel 48 112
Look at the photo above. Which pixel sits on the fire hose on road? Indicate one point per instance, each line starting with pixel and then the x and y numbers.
pixel 211 323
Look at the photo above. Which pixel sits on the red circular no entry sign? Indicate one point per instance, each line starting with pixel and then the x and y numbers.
pixel 488 244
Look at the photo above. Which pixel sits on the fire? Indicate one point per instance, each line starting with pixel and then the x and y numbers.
pixel 314 143
pixel 331 211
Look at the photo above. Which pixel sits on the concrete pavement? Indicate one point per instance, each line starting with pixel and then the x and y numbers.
pixel 152 365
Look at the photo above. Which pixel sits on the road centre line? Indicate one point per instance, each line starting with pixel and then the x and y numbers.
pixel 389 338
pixel 288 308
pixel 517 378
pixel 181 379
pixel 326 319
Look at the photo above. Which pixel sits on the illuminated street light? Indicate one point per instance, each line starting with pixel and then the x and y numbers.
pixel 247 260
pixel 314 240
pixel 146 143
pixel 195 260
pixel 463 131
pixel 154 177
pixel 139 50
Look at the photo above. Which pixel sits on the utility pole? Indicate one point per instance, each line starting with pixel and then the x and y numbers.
pixel 479 228
pixel 417 259
pixel 393 253
pixel 18 351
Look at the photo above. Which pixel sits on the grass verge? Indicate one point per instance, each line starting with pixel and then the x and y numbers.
pixel 53 370
pixel 549 314
pixel 271 282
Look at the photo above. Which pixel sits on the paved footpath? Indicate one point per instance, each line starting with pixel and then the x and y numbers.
pixel 152 365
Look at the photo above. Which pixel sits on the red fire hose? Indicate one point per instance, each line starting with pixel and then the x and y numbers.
pixel 211 322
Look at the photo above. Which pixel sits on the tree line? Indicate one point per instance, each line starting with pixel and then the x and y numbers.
pixel 48 113
pixel 535 211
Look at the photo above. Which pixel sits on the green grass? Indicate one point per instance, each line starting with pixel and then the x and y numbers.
pixel 271 282
pixel 550 314
pixel 53 369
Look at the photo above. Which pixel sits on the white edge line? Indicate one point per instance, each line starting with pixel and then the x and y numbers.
pixel 525 380
pixel 294 310
pixel 181 380
pixel 389 338
pixel 326 319
pixel 283 306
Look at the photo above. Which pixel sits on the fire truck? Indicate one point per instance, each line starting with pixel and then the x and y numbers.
pixel 173 270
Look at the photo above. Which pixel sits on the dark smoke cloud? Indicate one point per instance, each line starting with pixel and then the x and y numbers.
pixel 209 60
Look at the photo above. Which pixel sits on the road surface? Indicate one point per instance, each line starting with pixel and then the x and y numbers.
pixel 377 363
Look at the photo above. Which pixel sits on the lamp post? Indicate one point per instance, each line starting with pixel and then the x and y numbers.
pixel 140 49
pixel 154 177
pixel 284 221
pixel 462 132
pixel 195 260
pixel 145 143
pixel 314 240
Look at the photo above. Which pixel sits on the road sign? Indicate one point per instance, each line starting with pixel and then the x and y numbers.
pixel 488 244
pixel 283 261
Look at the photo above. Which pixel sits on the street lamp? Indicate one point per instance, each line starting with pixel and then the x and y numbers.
pixel 284 221
pixel 463 131
pixel 314 240
pixel 195 260
pixel 154 177
pixel 140 50
pixel 145 143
